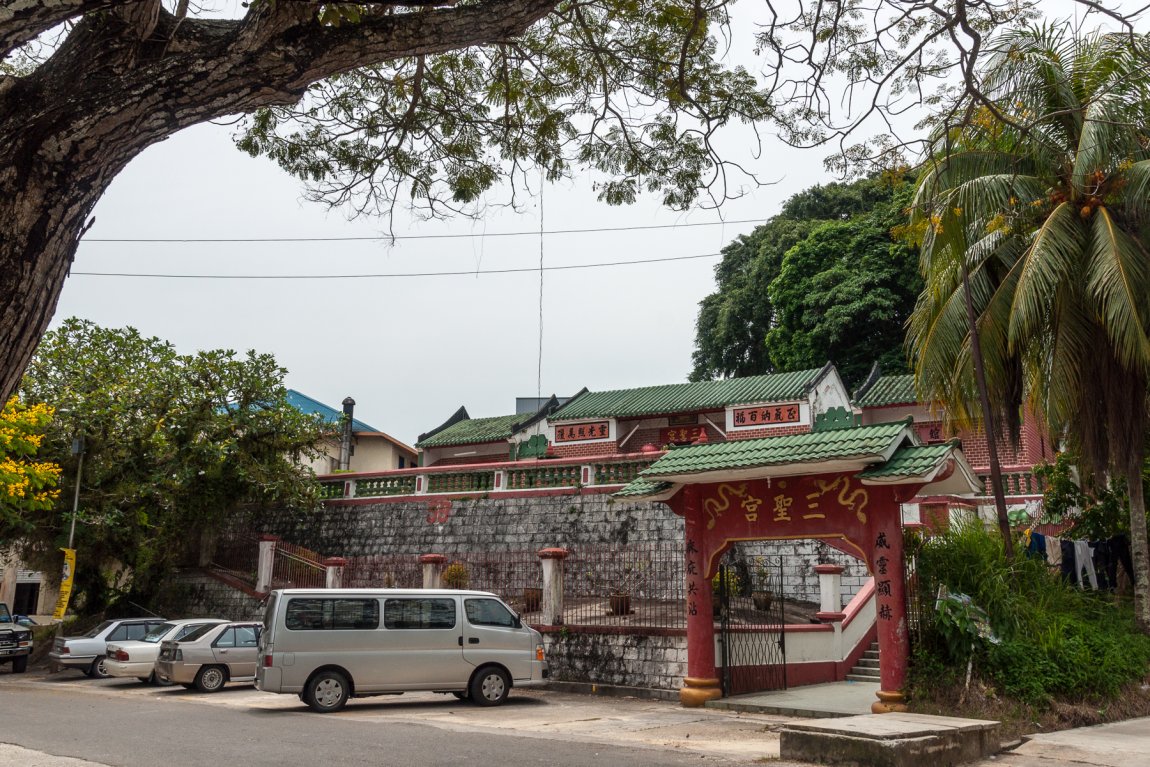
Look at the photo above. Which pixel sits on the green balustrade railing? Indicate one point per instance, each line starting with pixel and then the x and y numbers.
pixel 461 482
pixel 331 489
pixel 619 473
pixel 544 475
pixel 377 487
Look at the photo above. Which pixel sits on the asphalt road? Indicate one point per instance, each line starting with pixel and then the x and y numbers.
pixel 127 724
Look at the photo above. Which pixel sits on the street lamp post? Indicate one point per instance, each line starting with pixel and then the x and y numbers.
pixel 77 450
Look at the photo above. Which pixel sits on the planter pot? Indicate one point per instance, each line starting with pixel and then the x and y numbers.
pixel 620 604
pixel 532 600
pixel 762 599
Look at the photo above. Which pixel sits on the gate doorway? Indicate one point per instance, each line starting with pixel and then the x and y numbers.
pixel 751 623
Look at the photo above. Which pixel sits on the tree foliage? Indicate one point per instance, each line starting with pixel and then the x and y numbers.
pixel 176 446
pixel 826 279
pixel 26 485
pixel 1044 198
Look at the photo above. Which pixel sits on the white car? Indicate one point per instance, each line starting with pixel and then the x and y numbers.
pixel 137 658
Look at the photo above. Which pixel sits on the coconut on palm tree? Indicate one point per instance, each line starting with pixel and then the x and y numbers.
pixel 1042 200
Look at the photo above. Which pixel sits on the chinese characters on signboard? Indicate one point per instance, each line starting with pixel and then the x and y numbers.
pixel 583 431
pixel 765 415
pixel 783 503
pixel 679 435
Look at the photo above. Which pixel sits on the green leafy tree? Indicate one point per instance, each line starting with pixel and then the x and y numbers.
pixel 176 447
pixel 824 279
pixel 1042 203
pixel 845 292
pixel 431 103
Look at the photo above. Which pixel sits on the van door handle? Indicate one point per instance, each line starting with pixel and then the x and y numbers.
pixel 461 641
pixel 473 640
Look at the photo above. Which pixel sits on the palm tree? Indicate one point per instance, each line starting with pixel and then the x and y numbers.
pixel 1041 201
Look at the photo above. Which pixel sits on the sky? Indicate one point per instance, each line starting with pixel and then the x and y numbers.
pixel 411 350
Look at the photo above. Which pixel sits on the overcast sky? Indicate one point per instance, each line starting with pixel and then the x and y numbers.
pixel 409 350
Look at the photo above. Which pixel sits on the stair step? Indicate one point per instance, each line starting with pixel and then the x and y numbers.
pixel 863 678
pixel 872 654
pixel 867 663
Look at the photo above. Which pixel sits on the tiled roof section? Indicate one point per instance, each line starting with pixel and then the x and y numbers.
pixel 642 488
pixel 474 430
pixel 688 397
pixel 910 461
pixel 888 390
pixel 770 451
pixel 309 406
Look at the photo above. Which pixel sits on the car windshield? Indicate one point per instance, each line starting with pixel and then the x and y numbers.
pixel 197 633
pixel 99 629
pixel 156 633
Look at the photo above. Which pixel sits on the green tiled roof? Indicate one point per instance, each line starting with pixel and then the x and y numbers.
pixel 889 390
pixel 641 488
pixel 769 451
pixel 910 461
pixel 474 430
pixel 688 397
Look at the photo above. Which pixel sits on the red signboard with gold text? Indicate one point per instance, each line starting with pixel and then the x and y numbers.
pixel 765 415
pixel 583 431
pixel 679 435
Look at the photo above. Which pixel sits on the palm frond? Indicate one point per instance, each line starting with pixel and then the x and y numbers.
pixel 1118 278
pixel 1053 258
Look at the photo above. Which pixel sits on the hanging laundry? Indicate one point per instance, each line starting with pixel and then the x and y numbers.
pixel 1053 551
pixel 1037 546
pixel 1120 545
pixel 1105 565
pixel 1067 569
pixel 1084 563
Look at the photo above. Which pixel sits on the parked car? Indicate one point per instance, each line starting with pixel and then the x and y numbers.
pixel 88 653
pixel 138 657
pixel 15 641
pixel 211 656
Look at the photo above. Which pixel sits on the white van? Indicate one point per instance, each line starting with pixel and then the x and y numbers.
pixel 330 645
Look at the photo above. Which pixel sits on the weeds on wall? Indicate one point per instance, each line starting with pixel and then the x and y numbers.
pixel 1051 640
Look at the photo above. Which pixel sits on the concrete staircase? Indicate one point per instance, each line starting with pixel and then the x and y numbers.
pixel 867 668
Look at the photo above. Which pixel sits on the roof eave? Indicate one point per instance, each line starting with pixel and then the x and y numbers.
pixel 772 471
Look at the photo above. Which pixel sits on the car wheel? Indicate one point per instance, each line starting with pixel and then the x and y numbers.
pixel 99 668
pixel 210 679
pixel 20 665
pixel 327 691
pixel 489 687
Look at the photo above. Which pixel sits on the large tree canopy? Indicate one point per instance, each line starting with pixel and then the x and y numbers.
pixel 431 102
pixel 176 446
pixel 826 279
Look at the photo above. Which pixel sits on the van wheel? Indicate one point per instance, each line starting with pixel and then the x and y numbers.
pixel 490 686
pixel 210 679
pixel 99 668
pixel 327 691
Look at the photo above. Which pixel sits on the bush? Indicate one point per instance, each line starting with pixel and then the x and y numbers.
pixel 1050 638
pixel 455 576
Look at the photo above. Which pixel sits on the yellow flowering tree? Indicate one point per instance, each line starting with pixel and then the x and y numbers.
pixel 25 484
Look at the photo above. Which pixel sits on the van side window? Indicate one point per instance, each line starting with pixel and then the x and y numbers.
pixel 488 612
pixel 419 613
pixel 321 613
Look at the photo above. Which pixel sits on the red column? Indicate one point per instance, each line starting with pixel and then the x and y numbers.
pixel 888 568
pixel 702 682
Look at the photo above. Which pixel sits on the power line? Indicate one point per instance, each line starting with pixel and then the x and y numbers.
pixel 380 238
pixel 469 272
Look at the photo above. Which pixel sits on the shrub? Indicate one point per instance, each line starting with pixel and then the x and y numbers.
pixel 455 576
pixel 1053 639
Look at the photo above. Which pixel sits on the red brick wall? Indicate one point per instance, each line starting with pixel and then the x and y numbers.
pixel 607 447
pixel 470 459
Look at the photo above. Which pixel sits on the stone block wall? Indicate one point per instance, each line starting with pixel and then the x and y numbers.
pixel 203 595
pixel 650 661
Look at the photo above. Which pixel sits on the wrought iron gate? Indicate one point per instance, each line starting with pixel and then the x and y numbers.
pixel 749 592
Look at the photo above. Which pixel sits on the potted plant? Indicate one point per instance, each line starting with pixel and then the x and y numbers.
pixel 455 576
pixel 626 580
pixel 762 598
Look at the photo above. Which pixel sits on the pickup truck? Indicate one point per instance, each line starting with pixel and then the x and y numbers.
pixel 15 641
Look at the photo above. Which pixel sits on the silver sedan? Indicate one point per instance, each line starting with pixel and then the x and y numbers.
pixel 211 656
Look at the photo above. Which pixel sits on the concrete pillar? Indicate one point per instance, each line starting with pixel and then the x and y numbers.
pixel 830 592
pixel 265 563
pixel 334 575
pixel 888 569
pixel 702 681
pixel 552 602
pixel 8 582
pixel 432 570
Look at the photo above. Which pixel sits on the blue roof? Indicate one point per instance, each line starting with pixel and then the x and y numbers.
pixel 308 406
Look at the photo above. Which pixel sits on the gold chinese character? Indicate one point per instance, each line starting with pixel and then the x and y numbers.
pixel 782 505
pixel 751 507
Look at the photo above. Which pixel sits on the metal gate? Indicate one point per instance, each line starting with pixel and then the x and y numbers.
pixel 749 592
